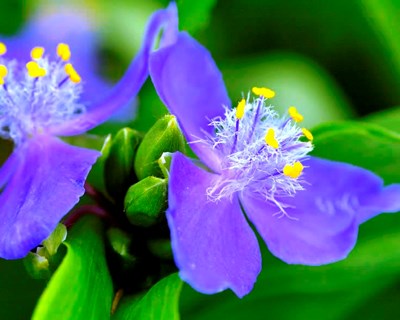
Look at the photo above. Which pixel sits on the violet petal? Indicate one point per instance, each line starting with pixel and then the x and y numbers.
pixel 46 185
pixel 191 86
pixel 126 89
pixel 322 222
pixel 214 247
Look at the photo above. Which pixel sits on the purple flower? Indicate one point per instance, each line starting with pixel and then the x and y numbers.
pixel 306 209
pixel 42 96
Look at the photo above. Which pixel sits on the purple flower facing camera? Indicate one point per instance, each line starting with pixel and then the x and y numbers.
pixel 254 168
pixel 49 88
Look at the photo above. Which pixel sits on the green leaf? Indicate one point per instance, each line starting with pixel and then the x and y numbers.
pixel 164 136
pixel 146 200
pixel 383 19
pixel 159 303
pixel 362 144
pixel 81 288
pixel 389 119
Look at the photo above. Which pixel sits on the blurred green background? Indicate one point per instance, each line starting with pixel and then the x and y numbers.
pixel 335 60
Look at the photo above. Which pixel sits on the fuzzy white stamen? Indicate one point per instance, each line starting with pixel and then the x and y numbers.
pixel 255 150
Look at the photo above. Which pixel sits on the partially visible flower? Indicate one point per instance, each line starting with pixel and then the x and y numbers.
pixel 306 209
pixel 42 96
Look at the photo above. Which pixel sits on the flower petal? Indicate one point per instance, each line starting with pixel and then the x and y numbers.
pixel 384 199
pixel 214 247
pixel 45 186
pixel 127 88
pixel 47 28
pixel 191 86
pixel 8 168
pixel 322 222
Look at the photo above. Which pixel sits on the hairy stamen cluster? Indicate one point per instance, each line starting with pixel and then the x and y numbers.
pixel 38 94
pixel 259 151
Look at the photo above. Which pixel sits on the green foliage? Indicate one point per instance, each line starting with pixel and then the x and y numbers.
pixel 159 303
pixel 81 288
pixel 389 119
pixel 145 201
pixel 362 144
pixel 164 136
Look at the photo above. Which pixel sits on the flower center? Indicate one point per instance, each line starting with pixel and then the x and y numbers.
pixel 260 152
pixel 38 94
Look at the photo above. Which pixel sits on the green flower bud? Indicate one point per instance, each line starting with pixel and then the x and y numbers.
pixel 120 242
pixel 37 266
pixel 42 263
pixel 164 162
pixel 118 166
pixel 55 239
pixel 161 248
pixel 164 136
pixel 145 201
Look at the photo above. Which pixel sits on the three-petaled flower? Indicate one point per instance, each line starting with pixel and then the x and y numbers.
pixel 41 97
pixel 306 209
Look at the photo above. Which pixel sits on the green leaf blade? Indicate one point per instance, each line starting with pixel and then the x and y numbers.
pixel 159 303
pixel 81 288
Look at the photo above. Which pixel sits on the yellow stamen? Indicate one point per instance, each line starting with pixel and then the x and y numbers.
pixel 37 53
pixel 295 115
pixel 265 92
pixel 34 70
pixel 3 71
pixel 3 48
pixel 63 51
pixel 270 139
pixel 240 109
pixel 307 134
pixel 293 171
pixel 73 75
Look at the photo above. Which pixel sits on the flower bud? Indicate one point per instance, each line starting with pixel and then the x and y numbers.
pixel 118 166
pixel 145 201
pixel 164 136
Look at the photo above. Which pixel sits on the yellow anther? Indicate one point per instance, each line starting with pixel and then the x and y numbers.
pixel 307 134
pixel 37 53
pixel 3 71
pixel 265 92
pixel 270 139
pixel 295 115
pixel 63 51
pixel 240 109
pixel 34 70
pixel 73 75
pixel 293 171
pixel 3 48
